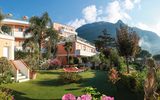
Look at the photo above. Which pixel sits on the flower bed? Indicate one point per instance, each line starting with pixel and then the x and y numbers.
pixel 90 94
pixel 70 96
pixel 74 69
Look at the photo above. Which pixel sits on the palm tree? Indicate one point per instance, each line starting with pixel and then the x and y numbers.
pixel 51 41
pixel 1 18
pixel 37 29
pixel 68 49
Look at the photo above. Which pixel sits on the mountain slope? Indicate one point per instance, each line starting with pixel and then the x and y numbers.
pixel 148 40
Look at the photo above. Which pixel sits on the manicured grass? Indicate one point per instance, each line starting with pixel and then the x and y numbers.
pixel 48 86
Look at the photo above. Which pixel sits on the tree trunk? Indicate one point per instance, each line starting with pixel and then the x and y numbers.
pixel 127 62
pixel 39 57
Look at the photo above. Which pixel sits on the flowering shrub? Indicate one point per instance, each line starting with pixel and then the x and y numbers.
pixel 69 96
pixel 54 63
pixel 104 97
pixel 113 75
pixel 85 97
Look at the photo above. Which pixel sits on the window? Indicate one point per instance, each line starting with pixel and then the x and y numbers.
pixel 20 29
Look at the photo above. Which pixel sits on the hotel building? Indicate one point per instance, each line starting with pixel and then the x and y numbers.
pixel 80 46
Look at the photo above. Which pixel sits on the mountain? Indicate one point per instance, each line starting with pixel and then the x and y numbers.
pixel 148 40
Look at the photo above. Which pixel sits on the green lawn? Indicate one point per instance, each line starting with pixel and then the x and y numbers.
pixel 48 86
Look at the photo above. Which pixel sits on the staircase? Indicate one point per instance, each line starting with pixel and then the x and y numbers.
pixel 22 78
pixel 20 70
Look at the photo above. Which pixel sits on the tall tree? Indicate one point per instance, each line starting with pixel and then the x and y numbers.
pixel 37 29
pixel 104 41
pixel 104 44
pixel 68 49
pixel 127 43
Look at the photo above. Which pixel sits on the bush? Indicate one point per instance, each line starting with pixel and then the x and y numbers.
pixel 93 92
pixel 5 71
pixel 20 54
pixel 69 77
pixel 158 81
pixel 5 94
pixel 134 82
pixel 44 64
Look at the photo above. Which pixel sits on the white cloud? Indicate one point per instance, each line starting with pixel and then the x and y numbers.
pixel 90 13
pixel 77 23
pixel 114 11
pixel 129 4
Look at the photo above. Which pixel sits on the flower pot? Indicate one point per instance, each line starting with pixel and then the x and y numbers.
pixel 33 75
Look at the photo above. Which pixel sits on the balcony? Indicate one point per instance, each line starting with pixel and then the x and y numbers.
pixel 84 41
pixel 84 53
pixel 20 35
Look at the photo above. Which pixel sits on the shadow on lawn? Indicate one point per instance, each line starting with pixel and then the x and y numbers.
pixel 100 82
pixel 50 72
pixel 20 96
pixel 51 82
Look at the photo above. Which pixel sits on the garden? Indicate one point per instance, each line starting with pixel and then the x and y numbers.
pixel 114 73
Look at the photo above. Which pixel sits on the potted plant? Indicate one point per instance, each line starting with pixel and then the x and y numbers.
pixel 33 74
pixel 33 64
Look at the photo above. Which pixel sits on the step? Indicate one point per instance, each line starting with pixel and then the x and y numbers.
pixel 19 74
pixel 12 78
pixel 21 77
pixel 23 80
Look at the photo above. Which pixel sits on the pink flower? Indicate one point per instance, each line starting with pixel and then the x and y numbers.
pixel 69 96
pixel 104 97
pixel 86 97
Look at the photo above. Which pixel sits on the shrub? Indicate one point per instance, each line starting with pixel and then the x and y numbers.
pixel 44 65
pixel 69 77
pixel 5 71
pixel 134 82
pixel 70 96
pixel 32 62
pixel 127 81
pixel 113 75
pixel 20 54
pixel 5 94
pixel 93 92
pixel 71 60
pixel 158 80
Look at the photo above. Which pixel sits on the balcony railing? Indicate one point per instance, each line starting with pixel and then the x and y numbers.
pixel 84 53
pixel 84 40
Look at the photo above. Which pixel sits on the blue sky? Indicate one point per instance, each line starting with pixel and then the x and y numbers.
pixel 141 13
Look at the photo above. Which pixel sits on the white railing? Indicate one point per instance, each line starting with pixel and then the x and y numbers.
pixel 20 35
pixel 15 71
pixel 22 67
